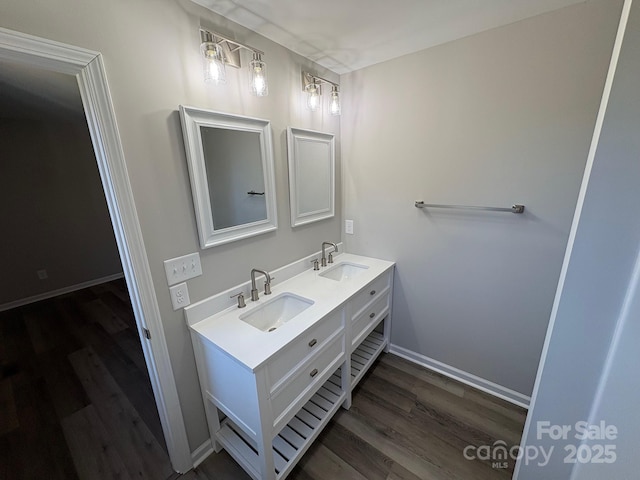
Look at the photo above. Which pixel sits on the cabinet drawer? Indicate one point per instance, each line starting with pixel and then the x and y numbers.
pixel 369 293
pixel 369 317
pixel 312 341
pixel 308 378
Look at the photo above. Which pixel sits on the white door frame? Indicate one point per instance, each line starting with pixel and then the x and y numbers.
pixel 89 69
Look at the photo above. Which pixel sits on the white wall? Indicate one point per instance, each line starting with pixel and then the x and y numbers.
pixel 619 396
pixel 151 53
pixel 501 117
pixel 54 214
pixel 589 371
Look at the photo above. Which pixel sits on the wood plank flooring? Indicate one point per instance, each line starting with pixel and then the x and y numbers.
pixel 76 403
pixel 75 396
pixel 405 423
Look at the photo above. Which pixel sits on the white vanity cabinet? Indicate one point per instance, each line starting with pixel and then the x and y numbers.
pixel 267 409
pixel 267 400
pixel 370 317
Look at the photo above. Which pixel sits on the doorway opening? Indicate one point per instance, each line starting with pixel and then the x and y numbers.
pixel 88 69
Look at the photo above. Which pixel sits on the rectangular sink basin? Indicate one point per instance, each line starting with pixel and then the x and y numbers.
pixel 343 271
pixel 276 311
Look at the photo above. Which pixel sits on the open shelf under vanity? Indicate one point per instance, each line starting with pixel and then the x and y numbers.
pixel 293 440
pixel 365 354
pixel 300 432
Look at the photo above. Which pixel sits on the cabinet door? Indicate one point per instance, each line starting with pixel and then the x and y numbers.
pixel 308 379
pixel 290 359
pixel 364 323
pixel 380 286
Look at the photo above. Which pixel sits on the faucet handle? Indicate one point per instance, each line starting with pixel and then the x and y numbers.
pixel 240 296
pixel 330 260
pixel 267 284
pixel 316 265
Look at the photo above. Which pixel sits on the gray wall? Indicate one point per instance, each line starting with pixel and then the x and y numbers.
pixel 151 53
pixel 54 214
pixel 589 372
pixel 502 117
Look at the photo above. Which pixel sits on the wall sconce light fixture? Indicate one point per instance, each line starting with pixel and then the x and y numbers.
pixel 219 51
pixel 312 85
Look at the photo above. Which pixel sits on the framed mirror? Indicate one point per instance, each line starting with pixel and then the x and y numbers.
pixel 230 160
pixel 311 175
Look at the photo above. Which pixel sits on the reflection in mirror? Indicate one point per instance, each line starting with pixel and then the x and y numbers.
pixel 230 162
pixel 231 183
pixel 311 175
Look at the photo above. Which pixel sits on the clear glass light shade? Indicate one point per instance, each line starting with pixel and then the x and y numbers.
pixel 334 105
pixel 213 63
pixel 258 76
pixel 313 97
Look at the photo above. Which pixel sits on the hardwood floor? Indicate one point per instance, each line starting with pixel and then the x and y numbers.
pixel 406 423
pixel 76 403
pixel 75 396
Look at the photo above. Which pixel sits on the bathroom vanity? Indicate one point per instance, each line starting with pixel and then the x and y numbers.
pixel 274 372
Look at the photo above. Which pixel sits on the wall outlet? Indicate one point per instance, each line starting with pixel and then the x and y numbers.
pixel 179 296
pixel 183 268
pixel 348 227
pixel 42 274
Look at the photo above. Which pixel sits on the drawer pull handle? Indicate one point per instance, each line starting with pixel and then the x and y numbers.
pixel 371 315
pixel 372 292
pixel 313 342
pixel 314 372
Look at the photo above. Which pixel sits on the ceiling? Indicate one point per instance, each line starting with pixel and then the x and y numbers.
pixel 341 35
pixel 346 35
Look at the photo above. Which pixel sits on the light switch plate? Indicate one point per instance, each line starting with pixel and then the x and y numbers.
pixel 348 227
pixel 182 268
pixel 179 296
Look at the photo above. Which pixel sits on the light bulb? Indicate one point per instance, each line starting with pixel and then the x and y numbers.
pixel 334 106
pixel 313 97
pixel 213 63
pixel 258 72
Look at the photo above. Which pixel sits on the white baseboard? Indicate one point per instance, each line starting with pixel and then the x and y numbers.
pixel 60 291
pixel 462 376
pixel 202 452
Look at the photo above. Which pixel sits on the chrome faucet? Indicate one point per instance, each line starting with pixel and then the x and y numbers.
pixel 267 283
pixel 323 260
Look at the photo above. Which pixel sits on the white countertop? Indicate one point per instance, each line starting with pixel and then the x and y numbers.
pixel 251 346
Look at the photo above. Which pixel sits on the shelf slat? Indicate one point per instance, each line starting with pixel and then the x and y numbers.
pixel 365 350
pixel 279 462
pixel 328 395
pixel 308 418
pixel 315 410
pixel 321 402
pixel 364 355
pixel 304 430
pixel 333 388
pixel 291 436
pixel 282 446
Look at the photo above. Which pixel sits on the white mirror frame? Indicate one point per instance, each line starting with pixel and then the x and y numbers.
pixel 192 119
pixel 295 138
